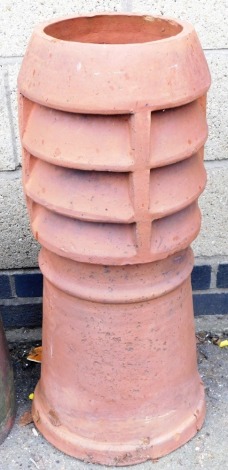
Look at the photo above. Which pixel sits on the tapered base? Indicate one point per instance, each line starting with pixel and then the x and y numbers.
pixel 162 436
pixel 119 381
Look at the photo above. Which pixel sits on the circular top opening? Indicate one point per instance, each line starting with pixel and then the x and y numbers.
pixel 113 29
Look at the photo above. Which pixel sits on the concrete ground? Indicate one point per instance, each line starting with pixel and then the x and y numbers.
pixel 26 449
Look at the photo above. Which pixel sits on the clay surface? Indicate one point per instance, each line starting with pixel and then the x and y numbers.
pixel 113 127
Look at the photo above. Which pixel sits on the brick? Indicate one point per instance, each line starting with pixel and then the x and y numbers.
pixel 28 284
pixel 217 106
pixel 212 240
pixel 18 316
pixel 12 71
pixel 18 248
pixel 222 276
pixel 6 148
pixel 30 315
pixel 201 277
pixel 208 21
pixel 16 31
pixel 5 288
pixel 210 304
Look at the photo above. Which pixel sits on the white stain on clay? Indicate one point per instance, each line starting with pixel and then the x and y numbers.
pixel 79 66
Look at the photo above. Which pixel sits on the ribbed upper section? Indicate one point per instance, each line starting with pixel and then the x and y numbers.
pixel 114 184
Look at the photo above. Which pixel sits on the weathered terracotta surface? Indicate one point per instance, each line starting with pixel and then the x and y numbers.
pixel 112 119
pixel 7 402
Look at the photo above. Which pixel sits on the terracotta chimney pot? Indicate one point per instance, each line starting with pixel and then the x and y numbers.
pixel 112 120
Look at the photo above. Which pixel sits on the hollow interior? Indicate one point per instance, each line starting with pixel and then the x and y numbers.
pixel 113 29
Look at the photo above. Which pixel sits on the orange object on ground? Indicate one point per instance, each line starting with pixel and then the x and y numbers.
pixel 35 355
pixel 112 120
